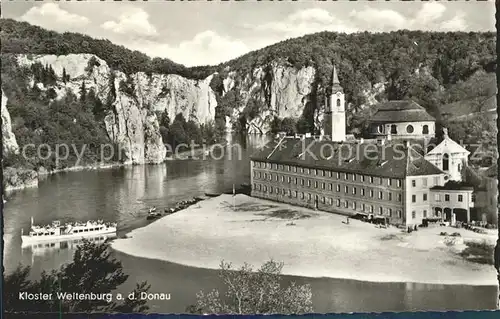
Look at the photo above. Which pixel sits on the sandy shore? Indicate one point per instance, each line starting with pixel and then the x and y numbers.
pixel 317 245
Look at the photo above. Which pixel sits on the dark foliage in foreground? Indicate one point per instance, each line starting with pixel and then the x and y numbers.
pixel 479 252
pixel 254 292
pixel 91 271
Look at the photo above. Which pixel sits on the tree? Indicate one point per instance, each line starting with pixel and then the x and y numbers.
pixel 193 132
pixel 289 125
pixel 91 271
pixel 65 76
pixel 83 92
pixel 136 304
pixel 220 129
pixel 303 126
pixel 177 131
pixel 250 292
pixel 275 125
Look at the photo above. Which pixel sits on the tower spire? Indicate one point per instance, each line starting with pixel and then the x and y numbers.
pixel 335 76
pixel 336 87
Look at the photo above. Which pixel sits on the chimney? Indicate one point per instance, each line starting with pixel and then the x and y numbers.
pixel 445 132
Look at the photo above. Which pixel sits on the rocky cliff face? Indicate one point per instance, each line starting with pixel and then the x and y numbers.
pixel 132 124
pixel 283 91
pixel 9 143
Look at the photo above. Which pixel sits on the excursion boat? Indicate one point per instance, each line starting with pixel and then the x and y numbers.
pixel 41 248
pixel 56 231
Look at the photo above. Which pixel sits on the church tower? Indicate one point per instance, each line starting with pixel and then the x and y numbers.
pixel 336 111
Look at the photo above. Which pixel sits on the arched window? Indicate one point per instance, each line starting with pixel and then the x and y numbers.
pixel 425 129
pixel 338 102
pixel 394 129
pixel 380 128
pixel 409 129
pixel 446 162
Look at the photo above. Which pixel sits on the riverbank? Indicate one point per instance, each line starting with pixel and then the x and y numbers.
pixel 310 243
pixel 18 178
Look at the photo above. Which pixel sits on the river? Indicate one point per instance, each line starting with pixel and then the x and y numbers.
pixel 124 194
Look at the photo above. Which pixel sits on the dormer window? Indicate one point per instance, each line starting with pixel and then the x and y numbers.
pixel 425 129
pixel 394 129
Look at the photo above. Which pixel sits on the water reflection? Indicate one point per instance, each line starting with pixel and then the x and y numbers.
pixel 43 248
pixel 51 255
pixel 121 194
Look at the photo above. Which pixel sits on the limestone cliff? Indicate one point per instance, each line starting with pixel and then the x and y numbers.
pixel 132 124
pixel 280 89
pixel 283 90
pixel 9 143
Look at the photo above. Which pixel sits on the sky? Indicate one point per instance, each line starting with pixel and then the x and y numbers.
pixel 210 32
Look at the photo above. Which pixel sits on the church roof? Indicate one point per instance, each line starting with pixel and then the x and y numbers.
pixel 448 146
pixel 454 186
pixel 392 160
pixel 401 111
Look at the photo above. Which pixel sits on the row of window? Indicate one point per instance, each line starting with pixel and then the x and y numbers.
pixel 437 198
pixel 325 173
pixel 43 234
pixel 326 200
pixel 282 178
pixel 424 214
pixel 460 198
pixel 414 198
pixel 347 190
pixel 87 230
pixel 424 181
pixel 409 129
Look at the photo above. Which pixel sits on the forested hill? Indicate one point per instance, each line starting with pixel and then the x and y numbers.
pixel 364 59
pixel 22 37
pixel 280 87
pixel 361 57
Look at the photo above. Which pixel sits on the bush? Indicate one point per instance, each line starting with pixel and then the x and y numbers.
pixel 479 252
pixel 250 292
pixel 91 271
